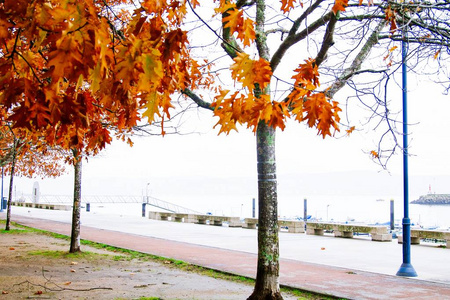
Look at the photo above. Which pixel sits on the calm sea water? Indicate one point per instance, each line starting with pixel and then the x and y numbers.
pixel 362 209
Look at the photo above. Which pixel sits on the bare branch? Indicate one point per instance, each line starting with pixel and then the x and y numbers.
pixel 357 62
pixel 293 39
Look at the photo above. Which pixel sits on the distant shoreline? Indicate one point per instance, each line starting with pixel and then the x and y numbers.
pixel 433 199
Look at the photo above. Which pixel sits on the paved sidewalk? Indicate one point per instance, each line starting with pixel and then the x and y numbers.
pixel 337 281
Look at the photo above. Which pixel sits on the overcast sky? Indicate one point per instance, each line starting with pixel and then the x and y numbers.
pixel 124 170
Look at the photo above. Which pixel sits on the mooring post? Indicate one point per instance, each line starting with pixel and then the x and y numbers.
pixel 143 209
pixel 305 211
pixel 392 215
pixel 253 208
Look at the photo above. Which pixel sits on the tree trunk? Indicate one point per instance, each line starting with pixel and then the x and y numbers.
pixel 76 211
pixel 11 183
pixel 267 284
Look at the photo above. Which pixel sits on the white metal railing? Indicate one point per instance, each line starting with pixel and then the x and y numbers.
pixel 64 199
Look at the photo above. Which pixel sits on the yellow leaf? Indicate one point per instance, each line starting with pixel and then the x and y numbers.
pixel 152 106
pixel 392 48
pixel 80 81
pixel 152 66
pixel 250 72
pixel 95 78
pixel 436 55
pixel 242 70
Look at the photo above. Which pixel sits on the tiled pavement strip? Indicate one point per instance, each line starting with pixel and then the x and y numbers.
pixel 338 281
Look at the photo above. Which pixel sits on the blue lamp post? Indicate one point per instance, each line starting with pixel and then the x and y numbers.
pixel 406 269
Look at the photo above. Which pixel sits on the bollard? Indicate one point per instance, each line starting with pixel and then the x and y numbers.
pixel 88 207
pixel 392 215
pixel 4 203
pixel 253 209
pixel 143 210
pixel 305 211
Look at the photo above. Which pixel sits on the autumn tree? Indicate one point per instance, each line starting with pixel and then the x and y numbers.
pixel 69 67
pixel 350 44
pixel 23 155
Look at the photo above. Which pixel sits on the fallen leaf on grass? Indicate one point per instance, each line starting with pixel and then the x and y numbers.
pixel 72 270
pixel 67 283
pixel 73 263
pixel 4 293
pixel 12 248
pixel 38 293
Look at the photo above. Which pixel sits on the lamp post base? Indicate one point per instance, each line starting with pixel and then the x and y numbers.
pixel 406 270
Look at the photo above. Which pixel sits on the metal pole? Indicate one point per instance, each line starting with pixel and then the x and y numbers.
pixel 406 269
pixel 1 200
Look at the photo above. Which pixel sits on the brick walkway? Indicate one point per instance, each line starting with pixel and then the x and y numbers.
pixel 340 282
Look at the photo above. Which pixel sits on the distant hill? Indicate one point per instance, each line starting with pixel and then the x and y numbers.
pixel 433 199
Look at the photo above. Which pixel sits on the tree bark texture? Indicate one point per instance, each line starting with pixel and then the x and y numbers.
pixel 267 278
pixel 75 245
pixel 11 184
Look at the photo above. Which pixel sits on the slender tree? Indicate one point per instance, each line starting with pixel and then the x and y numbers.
pixel 75 244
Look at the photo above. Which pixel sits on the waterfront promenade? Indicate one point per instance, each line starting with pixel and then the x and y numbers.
pixel 350 268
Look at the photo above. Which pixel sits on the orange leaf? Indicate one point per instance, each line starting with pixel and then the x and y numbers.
pixel 263 72
pixel 374 154
pixel 350 130
pixel 390 16
pixel 321 113
pixel 233 18
pixel 246 32
pixel 287 5
pixel 307 75
pixel 339 5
